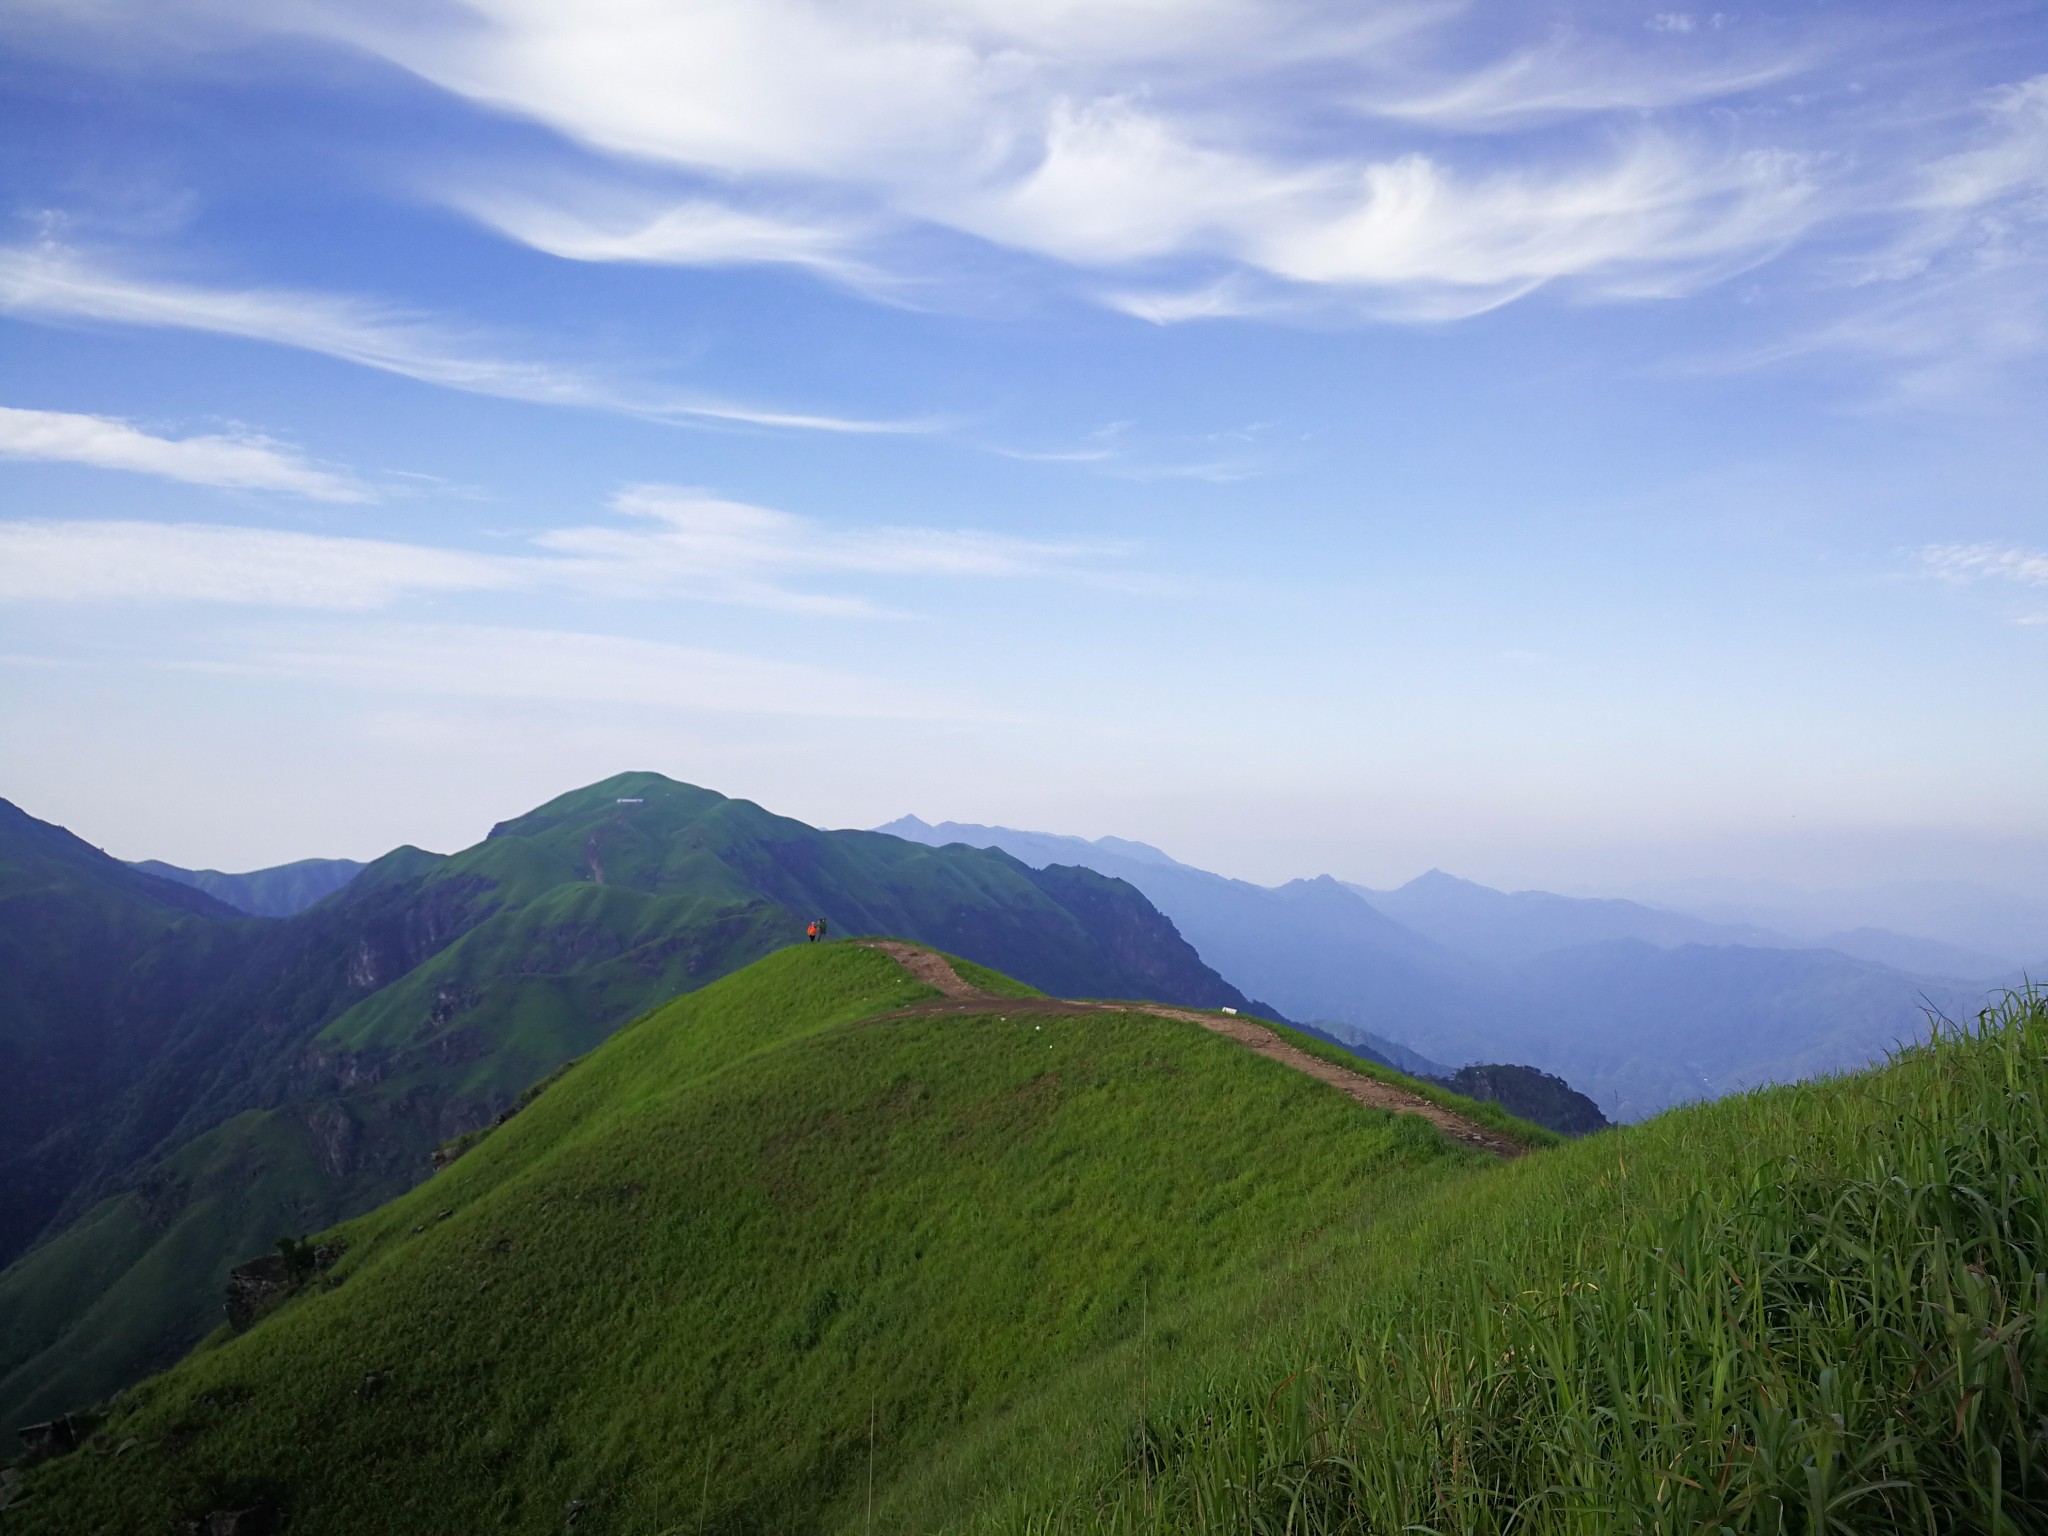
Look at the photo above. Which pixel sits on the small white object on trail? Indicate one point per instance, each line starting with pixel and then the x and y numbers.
pixel 1231 1011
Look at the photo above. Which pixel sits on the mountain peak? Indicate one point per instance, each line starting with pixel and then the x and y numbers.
pixel 1441 880
pixel 602 797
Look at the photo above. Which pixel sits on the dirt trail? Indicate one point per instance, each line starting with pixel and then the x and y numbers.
pixel 929 968
pixel 933 971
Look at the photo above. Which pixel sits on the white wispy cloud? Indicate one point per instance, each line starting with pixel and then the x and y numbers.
pixel 1973 562
pixel 1418 160
pixel 1955 296
pixel 1575 76
pixel 585 224
pixel 50 282
pixel 675 545
pixel 1649 220
pixel 63 561
pixel 1120 135
pixel 696 530
pixel 2009 156
pixel 566 666
pixel 238 463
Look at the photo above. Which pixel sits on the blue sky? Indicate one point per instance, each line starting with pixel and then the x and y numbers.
pixel 1591 446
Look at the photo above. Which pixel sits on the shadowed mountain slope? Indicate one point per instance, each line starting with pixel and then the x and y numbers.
pixel 331 1053
pixel 97 964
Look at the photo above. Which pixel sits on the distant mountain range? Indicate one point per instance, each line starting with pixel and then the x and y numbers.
pixel 1637 1006
pixel 2004 926
pixel 281 892
pixel 181 1082
pixel 1520 925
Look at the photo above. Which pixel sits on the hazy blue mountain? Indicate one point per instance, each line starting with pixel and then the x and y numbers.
pixel 1474 919
pixel 1392 1053
pixel 1635 1006
pixel 282 891
pixel 1927 957
pixel 1639 1027
pixel 1312 949
pixel 1034 848
pixel 2007 925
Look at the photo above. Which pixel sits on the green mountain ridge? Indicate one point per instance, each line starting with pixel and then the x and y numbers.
pixel 694 1269
pixel 337 1048
pixel 794 1254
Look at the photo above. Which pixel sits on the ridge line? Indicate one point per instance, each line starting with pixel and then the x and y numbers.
pixel 934 971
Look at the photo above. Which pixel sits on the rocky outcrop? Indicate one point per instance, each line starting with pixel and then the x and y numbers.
pixel 337 1138
pixel 322 1070
pixel 453 1148
pixel 57 1437
pixel 159 1199
pixel 448 1001
pixel 1549 1101
pixel 259 1519
pixel 257 1286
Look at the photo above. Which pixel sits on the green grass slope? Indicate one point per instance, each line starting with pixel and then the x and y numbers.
pixel 115 1291
pixel 1810 1309
pixel 755 1243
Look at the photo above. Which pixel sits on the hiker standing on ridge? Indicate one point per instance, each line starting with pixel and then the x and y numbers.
pixel 811 933
pixel 821 927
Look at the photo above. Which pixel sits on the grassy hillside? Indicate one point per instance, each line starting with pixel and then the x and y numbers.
pixel 112 1296
pixel 413 1005
pixel 746 1239
pixel 768 1262
pixel 1803 1309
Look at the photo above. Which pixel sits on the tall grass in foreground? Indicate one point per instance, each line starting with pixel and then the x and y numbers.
pixel 1836 1328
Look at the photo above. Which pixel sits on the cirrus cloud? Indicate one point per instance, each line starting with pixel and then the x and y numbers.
pixel 1128 134
pixel 676 544
pixel 1968 562
pixel 571 667
pixel 50 282
pixel 236 463
pixel 46 560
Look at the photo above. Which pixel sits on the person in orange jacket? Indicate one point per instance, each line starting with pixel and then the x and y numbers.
pixel 811 933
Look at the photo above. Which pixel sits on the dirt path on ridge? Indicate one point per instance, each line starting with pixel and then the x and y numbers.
pixel 962 998
pixel 929 968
